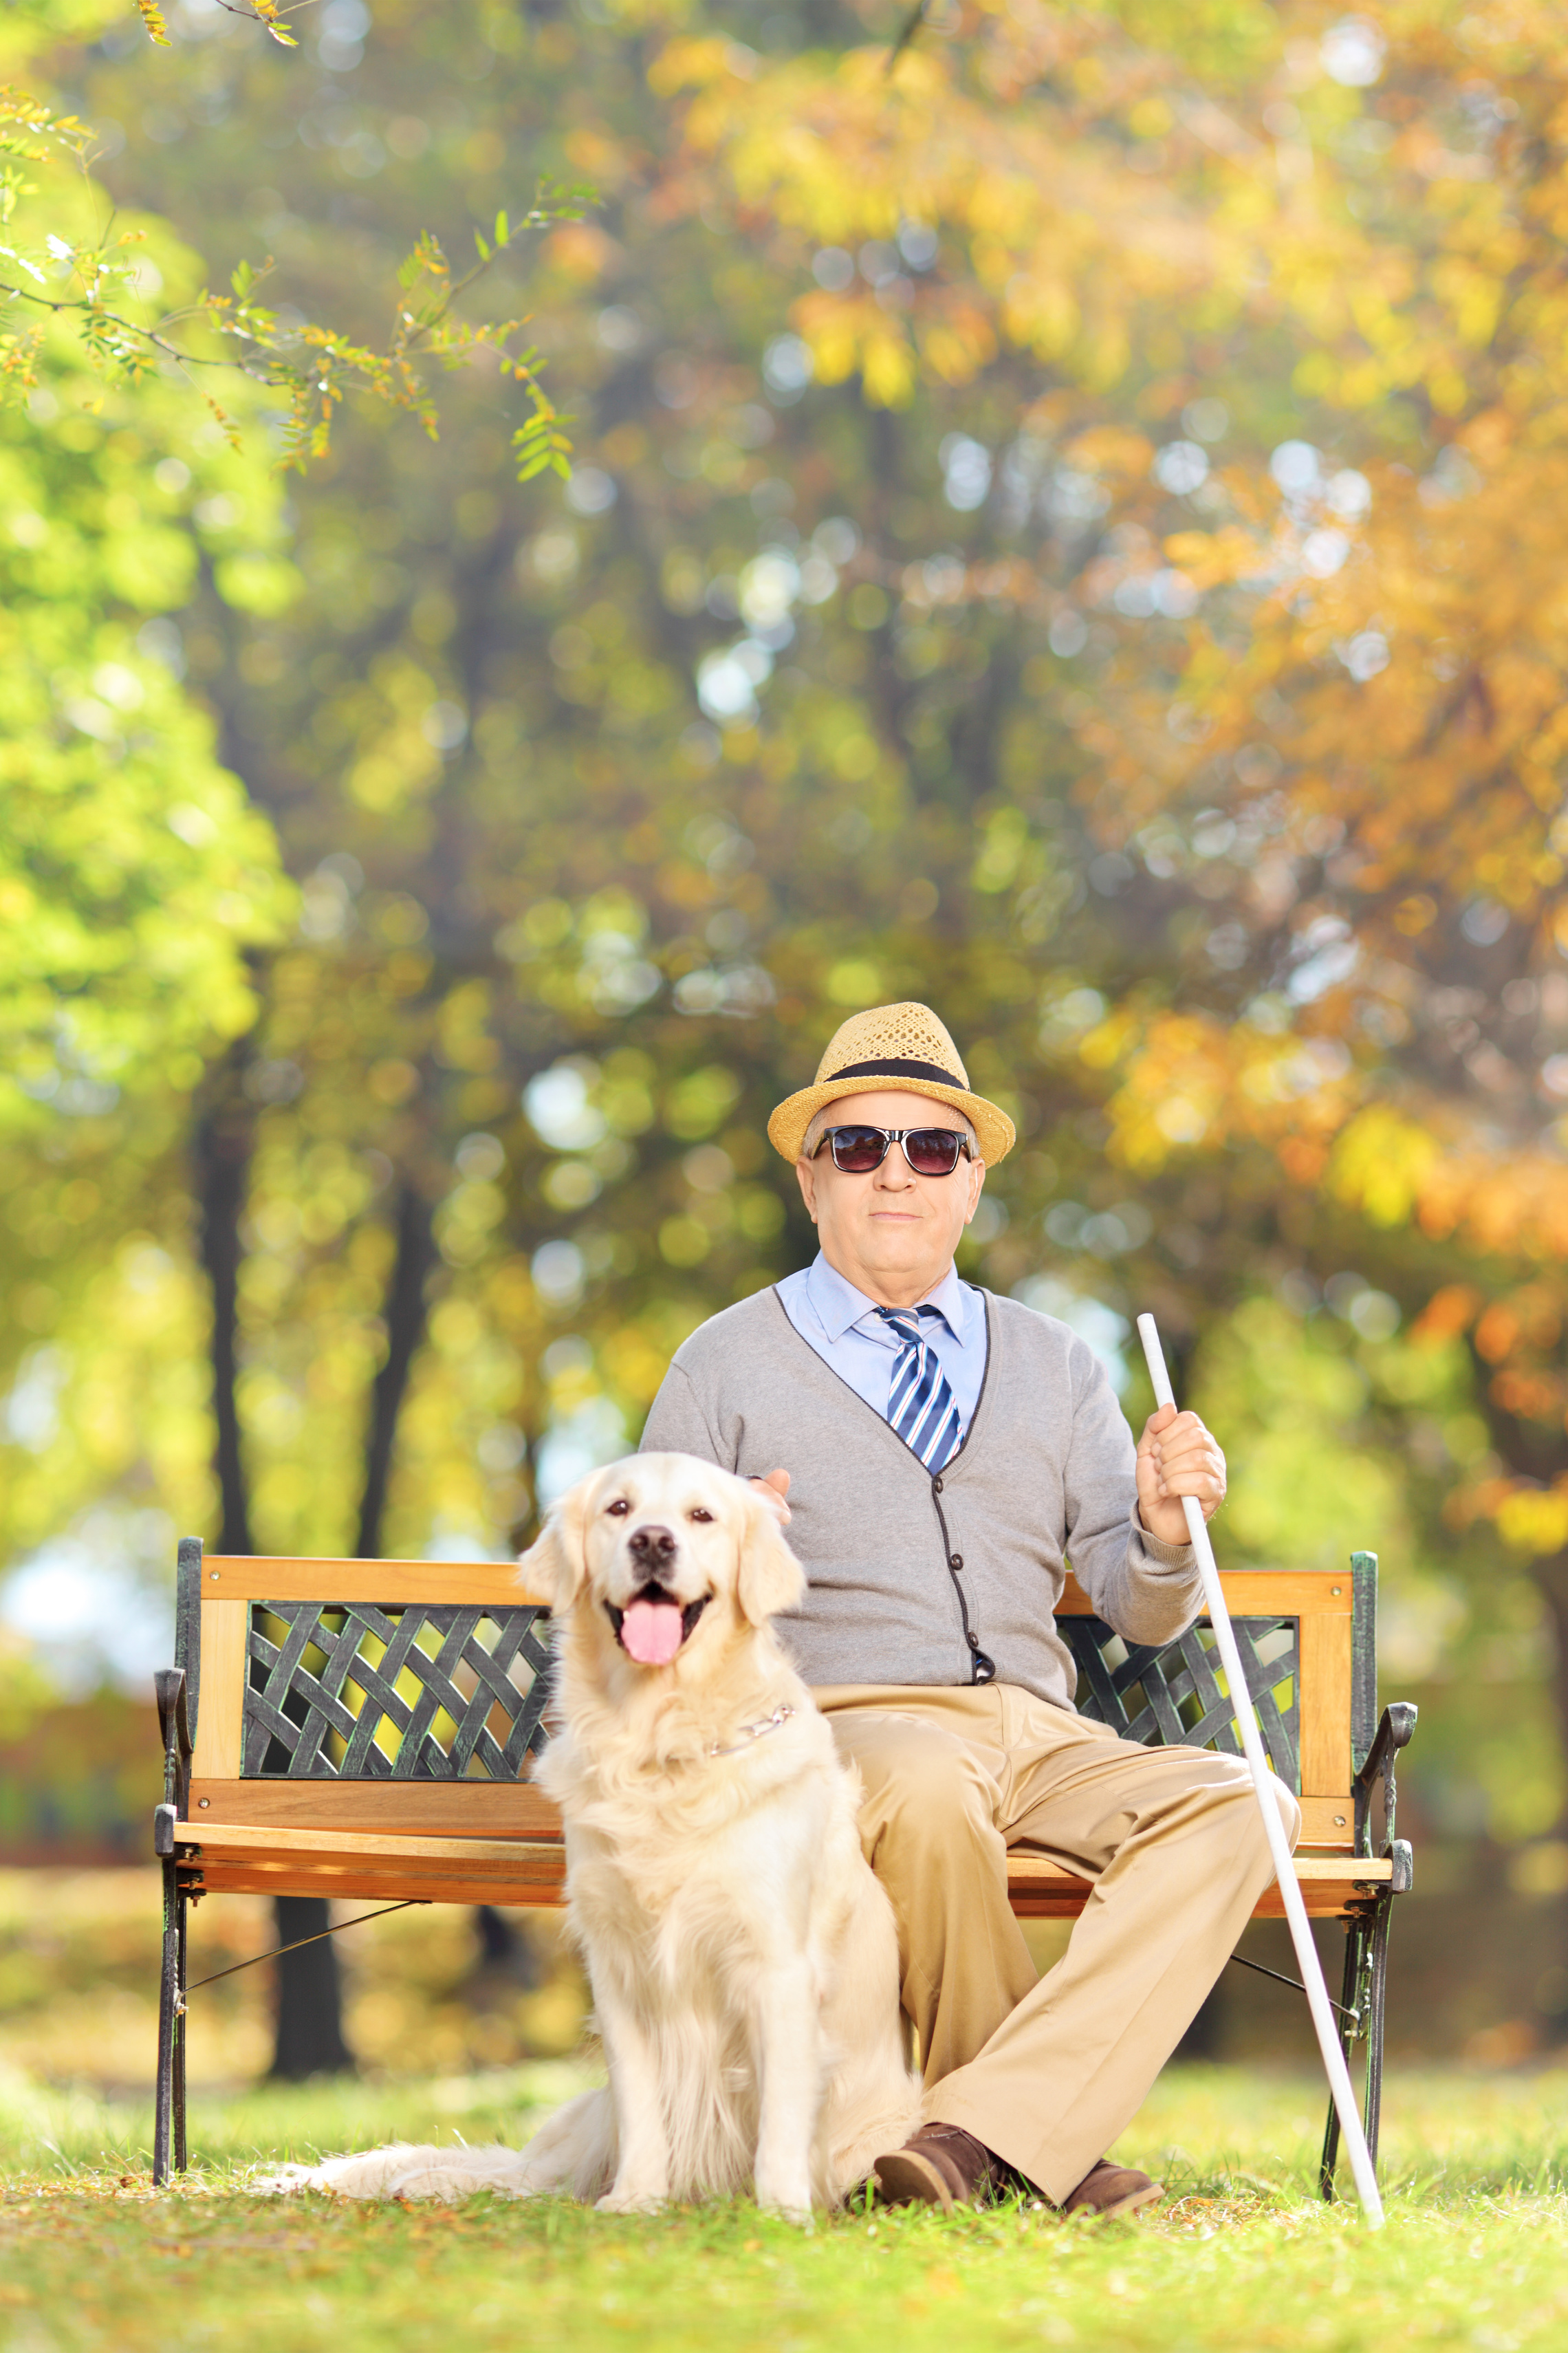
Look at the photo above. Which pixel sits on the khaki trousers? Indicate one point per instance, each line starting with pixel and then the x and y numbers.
pixel 1047 2071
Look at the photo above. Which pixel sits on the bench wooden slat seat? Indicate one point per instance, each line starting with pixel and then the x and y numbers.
pixel 254 1858
pixel 365 1728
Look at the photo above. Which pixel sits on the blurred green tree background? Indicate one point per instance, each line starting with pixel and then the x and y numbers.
pixel 1061 527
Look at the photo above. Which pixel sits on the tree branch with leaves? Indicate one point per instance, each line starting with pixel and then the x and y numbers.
pixel 100 303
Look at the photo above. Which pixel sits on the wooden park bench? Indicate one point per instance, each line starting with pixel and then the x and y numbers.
pixel 365 1728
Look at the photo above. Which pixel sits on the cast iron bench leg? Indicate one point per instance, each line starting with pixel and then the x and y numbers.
pixel 1377 1996
pixel 1365 1994
pixel 182 1916
pixel 170 1688
pixel 169 2113
pixel 1356 1963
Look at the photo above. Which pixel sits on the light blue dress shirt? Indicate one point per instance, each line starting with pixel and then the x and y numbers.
pixel 844 1327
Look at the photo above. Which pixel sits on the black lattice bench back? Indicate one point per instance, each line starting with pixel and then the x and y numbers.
pixel 365 1728
pixel 371 1691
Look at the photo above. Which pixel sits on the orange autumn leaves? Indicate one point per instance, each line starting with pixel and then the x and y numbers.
pixel 1371 673
pixel 1061 246
pixel 1185 1081
pixel 1443 765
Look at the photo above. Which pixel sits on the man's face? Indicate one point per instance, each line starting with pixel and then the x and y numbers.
pixel 891 1233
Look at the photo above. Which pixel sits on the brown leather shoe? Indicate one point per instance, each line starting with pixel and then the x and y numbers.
pixel 942 2165
pixel 1106 2191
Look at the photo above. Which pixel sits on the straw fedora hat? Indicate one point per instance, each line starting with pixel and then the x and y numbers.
pixel 902 1046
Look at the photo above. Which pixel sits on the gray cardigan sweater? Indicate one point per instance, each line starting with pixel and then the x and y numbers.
pixel 915 1579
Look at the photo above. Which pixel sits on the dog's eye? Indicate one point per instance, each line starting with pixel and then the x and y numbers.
pixel 699 1514
pixel 620 1508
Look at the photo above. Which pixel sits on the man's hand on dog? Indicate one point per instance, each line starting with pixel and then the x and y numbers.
pixel 1176 1457
pixel 775 1487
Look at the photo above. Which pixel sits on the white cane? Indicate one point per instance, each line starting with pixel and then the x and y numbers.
pixel 1290 1887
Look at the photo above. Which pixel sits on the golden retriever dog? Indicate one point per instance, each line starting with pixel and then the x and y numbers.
pixel 743 1957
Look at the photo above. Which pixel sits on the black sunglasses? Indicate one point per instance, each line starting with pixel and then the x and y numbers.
pixel 929 1151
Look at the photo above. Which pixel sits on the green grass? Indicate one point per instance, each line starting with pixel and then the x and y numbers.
pixel 1240 2256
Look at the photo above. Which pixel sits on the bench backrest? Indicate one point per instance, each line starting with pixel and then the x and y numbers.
pixel 411 1694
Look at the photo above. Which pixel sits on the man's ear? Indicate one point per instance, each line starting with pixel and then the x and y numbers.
pixel 770 1577
pixel 552 1569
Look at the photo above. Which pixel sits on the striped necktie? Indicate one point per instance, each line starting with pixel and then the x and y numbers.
pixel 919 1403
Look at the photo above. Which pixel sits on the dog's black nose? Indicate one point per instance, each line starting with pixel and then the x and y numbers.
pixel 651 1548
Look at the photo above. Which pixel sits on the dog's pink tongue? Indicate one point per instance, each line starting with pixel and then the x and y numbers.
pixel 650 1632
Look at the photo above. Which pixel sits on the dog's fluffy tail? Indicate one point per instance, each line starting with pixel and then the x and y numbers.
pixel 574 2151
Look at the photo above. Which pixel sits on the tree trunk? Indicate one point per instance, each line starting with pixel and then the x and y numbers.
pixel 309 2033
pixel 310 1993
pixel 1549 1576
pixel 1535 1450
pixel 1204 2038
pixel 224 1142
pixel 404 1318
pixel 309 2012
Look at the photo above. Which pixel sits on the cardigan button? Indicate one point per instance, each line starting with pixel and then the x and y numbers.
pixel 957 1561
pixel 936 1486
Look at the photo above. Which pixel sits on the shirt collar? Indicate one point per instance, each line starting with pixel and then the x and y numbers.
pixel 838 1304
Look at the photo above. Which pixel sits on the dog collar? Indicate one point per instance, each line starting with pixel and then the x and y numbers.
pixel 755 1732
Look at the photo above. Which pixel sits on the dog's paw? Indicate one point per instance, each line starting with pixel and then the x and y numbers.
pixel 284 2181
pixel 790 2202
pixel 617 2201
pixel 370 2173
pixel 439 2186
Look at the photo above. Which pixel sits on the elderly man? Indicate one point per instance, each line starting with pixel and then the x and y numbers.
pixel 945 1452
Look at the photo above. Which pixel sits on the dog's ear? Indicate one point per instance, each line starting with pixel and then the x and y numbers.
pixel 552 1569
pixel 770 1577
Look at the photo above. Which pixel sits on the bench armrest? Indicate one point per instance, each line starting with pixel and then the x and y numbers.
pixel 1393 1734
pixel 174 1726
